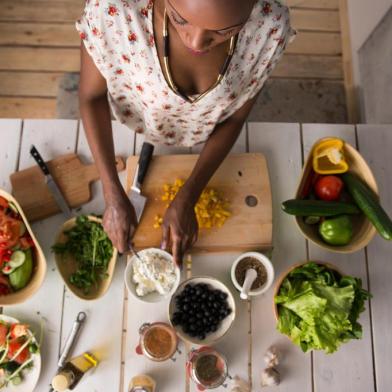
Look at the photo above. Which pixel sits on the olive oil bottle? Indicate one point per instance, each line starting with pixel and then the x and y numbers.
pixel 73 371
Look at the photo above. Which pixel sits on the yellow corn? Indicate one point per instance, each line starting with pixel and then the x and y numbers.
pixel 211 209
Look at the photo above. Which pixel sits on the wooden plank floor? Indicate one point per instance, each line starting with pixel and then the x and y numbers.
pixel 38 43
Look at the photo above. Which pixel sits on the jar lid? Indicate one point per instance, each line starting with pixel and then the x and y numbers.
pixel 139 389
pixel 62 381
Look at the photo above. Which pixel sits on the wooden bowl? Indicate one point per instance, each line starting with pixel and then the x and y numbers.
pixel 66 265
pixel 39 264
pixel 363 230
pixel 284 275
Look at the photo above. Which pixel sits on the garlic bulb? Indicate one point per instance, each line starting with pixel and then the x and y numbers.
pixel 272 357
pixel 269 377
pixel 240 385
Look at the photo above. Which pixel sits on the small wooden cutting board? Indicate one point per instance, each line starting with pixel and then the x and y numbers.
pixel 72 177
pixel 239 177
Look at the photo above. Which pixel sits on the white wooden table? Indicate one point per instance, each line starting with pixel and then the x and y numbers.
pixel 113 321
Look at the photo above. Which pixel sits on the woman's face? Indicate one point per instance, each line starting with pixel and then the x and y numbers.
pixel 203 24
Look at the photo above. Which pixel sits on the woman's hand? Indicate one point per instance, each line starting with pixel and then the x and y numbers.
pixel 119 219
pixel 180 228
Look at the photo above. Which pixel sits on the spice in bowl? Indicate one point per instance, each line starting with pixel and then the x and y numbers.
pixel 251 263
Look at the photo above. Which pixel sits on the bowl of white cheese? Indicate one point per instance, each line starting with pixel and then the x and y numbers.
pixel 153 278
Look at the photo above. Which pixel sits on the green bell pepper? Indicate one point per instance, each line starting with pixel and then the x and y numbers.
pixel 337 231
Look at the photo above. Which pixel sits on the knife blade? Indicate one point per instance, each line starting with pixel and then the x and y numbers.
pixel 135 195
pixel 50 182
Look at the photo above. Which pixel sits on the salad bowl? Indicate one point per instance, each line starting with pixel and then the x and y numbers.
pixel 39 261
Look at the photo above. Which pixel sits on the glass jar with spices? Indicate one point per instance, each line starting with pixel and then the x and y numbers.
pixel 207 368
pixel 158 342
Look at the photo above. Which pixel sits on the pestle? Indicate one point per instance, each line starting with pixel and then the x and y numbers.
pixel 250 277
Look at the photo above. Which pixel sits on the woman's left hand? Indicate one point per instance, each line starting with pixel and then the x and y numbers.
pixel 179 228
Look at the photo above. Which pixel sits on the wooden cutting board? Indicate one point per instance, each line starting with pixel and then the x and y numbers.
pixel 240 176
pixel 72 177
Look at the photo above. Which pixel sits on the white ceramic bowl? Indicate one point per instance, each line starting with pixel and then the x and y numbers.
pixel 268 266
pixel 155 296
pixel 226 323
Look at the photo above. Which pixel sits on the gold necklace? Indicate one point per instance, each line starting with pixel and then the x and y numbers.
pixel 169 77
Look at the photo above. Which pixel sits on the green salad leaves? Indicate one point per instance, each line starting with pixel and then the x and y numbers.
pixel 92 249
pixel 319 309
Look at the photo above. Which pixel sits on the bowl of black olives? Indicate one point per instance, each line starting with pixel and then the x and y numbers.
pixel 202 310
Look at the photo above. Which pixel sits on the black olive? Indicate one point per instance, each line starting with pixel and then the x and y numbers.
pixel 201 336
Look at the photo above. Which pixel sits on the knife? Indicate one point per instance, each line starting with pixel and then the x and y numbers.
pixel 53 187
pixel 135 196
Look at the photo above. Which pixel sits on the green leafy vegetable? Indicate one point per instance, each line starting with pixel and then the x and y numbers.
pixel 88 243
pixel 319 309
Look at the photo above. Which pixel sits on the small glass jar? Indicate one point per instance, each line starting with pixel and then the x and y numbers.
pixel 158 342
pixel 142 383
pixel 207 368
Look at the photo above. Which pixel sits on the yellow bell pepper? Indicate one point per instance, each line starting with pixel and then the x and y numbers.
pixel 328 157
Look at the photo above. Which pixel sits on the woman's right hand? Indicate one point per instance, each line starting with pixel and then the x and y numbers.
pixel 119 219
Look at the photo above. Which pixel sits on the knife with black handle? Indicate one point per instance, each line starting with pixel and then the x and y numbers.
pixel 52 186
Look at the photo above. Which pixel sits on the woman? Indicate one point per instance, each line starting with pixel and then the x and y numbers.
pixel 181 72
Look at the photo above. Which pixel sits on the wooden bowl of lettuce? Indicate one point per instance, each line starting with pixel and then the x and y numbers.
pixel 318 307
pixel 85 257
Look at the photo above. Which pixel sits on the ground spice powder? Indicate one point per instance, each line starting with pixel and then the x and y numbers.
pixel 251 263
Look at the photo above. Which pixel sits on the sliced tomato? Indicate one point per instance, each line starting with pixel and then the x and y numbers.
pixel 4 289
pixel 26 242
pixel 3 202
pixel 9 230
pixel 18 330
pixel 13 348
pixel 3 334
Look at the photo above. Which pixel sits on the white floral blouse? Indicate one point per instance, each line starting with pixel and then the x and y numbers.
pixel 118 35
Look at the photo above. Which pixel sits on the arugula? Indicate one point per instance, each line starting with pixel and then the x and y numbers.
pixel 92 249
pixel 319 309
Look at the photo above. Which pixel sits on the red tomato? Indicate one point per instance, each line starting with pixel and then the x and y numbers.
pixel 26 242
pixel 3 202
pixel 3 334
pixel 14 346
pixel 9 230
pixel 18 330
pixel 329 188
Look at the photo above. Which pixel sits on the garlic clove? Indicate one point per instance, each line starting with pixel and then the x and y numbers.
pixel 240 385
pixel 272 357
pixel 269 377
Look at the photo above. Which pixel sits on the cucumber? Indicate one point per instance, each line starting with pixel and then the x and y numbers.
pixel 318 208
pixel 17 259
pixel 21 276
pixel 368 202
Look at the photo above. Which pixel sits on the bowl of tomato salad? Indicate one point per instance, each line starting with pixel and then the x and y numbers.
pixel 22 262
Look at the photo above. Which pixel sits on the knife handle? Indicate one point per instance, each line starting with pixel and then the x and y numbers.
pixel 41 163
pixel 144 161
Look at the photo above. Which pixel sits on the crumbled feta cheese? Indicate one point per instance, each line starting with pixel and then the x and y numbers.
pixel 156 275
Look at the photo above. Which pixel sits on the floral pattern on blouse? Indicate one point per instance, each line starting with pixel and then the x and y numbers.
pixel 118 35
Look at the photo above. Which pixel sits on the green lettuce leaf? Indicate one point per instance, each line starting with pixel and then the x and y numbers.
pixel 318 309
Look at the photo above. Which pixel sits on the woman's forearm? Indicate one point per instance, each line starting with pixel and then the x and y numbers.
pixel 95 114
pixel 214 152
